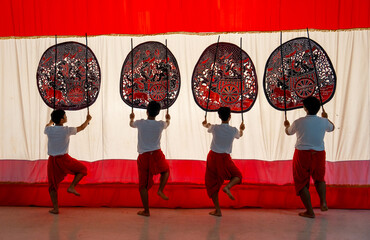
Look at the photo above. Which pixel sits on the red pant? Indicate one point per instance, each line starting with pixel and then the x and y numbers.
pixel 308 163
pixel 60 166
pixel 150 164
pixel 220 167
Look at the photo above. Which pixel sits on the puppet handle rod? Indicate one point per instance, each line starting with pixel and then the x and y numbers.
pixel 314 66
pixel 210 81
pixel 167 72
pixel 132 76
pixel 86 77
pixel 55 67
pixel 283 73
pixel 241 77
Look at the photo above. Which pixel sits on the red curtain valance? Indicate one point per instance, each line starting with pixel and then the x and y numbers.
pixel 96 17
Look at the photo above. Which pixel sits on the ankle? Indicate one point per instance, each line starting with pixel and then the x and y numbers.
pixel 310 211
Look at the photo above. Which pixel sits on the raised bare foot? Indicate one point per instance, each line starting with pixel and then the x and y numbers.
pixel 324 208
pixel 73 190
pixel 143 213
pixel 307 215
pixel 216 213
pixel 227 191
pixel 161 194
pixel 54 211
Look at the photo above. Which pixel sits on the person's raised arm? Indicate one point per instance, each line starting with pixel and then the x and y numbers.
pixel 241 129
pixel 84 125
pixel 168 118
pixel 132 117
pixel 50 123
pixel 205 124
pixel 325 115
pixel 287 125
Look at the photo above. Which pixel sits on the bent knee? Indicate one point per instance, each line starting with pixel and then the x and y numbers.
pixel 165 172
pixel 238 179
pixel 143 188
pixel 319 182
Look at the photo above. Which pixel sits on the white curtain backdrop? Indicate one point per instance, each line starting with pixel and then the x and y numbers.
pixel 24 114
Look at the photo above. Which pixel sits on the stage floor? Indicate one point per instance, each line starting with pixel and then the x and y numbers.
pixel 123 223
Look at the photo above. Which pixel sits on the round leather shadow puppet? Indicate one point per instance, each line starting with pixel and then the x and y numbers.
pixel 300 58
pixel 224 76
pixel 61 76
pixel 150 76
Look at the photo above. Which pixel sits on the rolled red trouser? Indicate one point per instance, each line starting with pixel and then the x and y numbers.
pixel 220 167
pixel 150 164
pixel 61 165
pixel 308 163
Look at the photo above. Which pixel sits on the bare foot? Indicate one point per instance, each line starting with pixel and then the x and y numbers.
pixel 307 215
pixel 73 190
pixel 216 213
pixel 161 194
pixel 143 213
pixel 324 208
pixel 54 211
pixel 227 191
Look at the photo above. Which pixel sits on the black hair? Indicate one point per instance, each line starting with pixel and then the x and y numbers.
pixel 224 113
pixel 312 105
pixel 153 108
pixel 57 115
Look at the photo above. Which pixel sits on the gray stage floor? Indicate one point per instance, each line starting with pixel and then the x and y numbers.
pixel 191 224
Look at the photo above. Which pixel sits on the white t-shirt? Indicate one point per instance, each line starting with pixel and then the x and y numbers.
pixel 223 137
pixel 149 134
pixel 58 139
pixel 310 132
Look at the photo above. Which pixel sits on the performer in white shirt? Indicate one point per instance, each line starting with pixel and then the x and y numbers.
pixel 220 166
pixel 60 163
pixel 151 160
pixel 309 156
